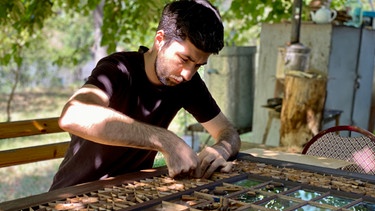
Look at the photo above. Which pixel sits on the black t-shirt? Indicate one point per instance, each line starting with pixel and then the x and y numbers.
pixel 123 78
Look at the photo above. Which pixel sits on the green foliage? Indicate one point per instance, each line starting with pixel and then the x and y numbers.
pixel 72 39
pixel 243 18
pixel 130 23
pixel 28 25
pixel 84 7
pixel 20 21
pixel 29 15
pixel 133 22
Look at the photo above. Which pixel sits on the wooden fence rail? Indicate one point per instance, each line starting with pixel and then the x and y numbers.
pixel 31 154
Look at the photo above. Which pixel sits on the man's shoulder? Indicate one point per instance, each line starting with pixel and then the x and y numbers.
pixel 126 58
pixel 125 55
pixel 139 53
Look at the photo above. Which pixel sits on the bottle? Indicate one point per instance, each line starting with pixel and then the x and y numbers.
pixel 354 10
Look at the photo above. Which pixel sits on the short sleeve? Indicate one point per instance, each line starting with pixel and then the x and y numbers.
pixel 199 102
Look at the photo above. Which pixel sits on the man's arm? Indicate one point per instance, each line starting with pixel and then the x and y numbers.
pixel 227 145
pixel 87 115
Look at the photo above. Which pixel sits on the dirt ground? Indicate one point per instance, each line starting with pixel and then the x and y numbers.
pixel 34 178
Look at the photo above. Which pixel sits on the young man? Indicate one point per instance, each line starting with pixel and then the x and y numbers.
pixel 119 118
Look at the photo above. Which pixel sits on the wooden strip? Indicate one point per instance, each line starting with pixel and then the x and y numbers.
pixel 33 154
pixel 29 127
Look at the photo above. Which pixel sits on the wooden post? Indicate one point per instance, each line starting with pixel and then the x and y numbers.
pixel 302 109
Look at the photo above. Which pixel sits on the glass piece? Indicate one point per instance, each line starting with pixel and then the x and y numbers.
pixel 363 206
pixel 247 183
pixel 279 204
pixel 312 208
pixel 249 197
pixel 335 201
pixel 305 195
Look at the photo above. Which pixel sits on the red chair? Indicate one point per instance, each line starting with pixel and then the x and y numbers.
pixel 349 143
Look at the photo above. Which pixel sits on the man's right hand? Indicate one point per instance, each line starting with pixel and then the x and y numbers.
pixel 180 159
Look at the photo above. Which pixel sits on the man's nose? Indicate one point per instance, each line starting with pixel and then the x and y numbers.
pixel 187 73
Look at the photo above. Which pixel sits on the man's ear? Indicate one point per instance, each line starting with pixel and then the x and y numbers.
pixel 159 39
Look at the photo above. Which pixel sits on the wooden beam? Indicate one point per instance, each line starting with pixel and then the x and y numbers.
pixel 29 127
pixel 33 154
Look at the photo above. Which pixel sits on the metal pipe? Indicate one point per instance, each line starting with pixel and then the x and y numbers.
pixel 296 21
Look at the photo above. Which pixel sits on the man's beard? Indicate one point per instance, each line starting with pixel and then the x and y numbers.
pixel 160 71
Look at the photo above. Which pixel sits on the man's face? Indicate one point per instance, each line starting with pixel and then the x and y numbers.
pixel 178 62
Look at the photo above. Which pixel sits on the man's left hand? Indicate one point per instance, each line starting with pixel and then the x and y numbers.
pixel 210 159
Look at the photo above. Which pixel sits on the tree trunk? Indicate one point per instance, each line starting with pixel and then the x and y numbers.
pixel 17 73
pixel 98 50
pixel 302 109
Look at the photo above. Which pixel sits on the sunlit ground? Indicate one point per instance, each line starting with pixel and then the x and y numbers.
pixel 27 179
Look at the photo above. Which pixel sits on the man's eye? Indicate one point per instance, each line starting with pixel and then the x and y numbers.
pixel 184 60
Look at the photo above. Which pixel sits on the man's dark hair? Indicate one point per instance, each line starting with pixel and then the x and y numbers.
pixel 196 20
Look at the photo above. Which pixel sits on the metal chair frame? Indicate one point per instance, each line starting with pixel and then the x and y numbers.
pixel 358 149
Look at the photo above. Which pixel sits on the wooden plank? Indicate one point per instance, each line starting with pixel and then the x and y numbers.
pixel 29 127
pixel 33 154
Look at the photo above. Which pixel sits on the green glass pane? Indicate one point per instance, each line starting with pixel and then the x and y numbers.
pixel 312 208
pixel 279 204
pixel 306 195
pixel 335 201
pixel 247 183
pixel 363 206
pixel 249 197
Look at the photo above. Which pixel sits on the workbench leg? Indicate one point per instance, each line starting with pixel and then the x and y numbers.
pixel 269 122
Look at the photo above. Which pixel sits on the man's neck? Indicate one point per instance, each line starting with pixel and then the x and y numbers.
pixel 149 59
